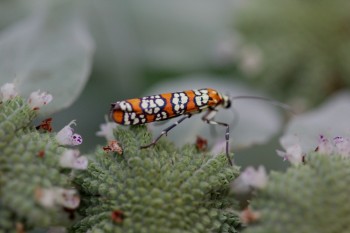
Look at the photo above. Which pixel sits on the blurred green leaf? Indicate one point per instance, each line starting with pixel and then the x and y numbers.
pixel 180 35
pixel 290 46
pixel 51 50
pixel 161 37
pixel 257 121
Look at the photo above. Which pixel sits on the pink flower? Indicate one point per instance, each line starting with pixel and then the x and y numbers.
pixel 338 146
pixel 342 146
pixel 66 136
pixel 324 146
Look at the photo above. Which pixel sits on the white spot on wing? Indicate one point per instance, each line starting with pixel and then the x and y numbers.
pixel 136 121
pixel 160 102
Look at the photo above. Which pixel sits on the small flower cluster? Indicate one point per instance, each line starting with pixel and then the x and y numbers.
pixel 253 179
pixel 65 137
pixel 337 146
pixel 295 155
pixel 33 151
pixel 71 158
pixel 36 99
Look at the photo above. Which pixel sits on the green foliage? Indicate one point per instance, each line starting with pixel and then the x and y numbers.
pixel 303 44
pixel 308 198
pixel 159 189
pixel 29 163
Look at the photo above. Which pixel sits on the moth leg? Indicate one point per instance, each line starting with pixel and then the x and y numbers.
pixel 165 131
pixel 209 119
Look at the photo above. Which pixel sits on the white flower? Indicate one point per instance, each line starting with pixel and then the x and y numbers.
pixel 72 159
pixel 67 198
pixel 250 178
pixel 46 197
pixel 106 130
pixel 66 137
pixel 256 178
pixel 324 146
pixel 57 196
pixel 342 146
pixel 8 91
pixel 81 163
pixel 293 151
pixel 293 154
pixel 37 99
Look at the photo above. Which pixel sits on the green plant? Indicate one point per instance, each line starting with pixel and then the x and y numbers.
pixel 122 188
pixel 310 197
pixel 35 179
pixel 161 189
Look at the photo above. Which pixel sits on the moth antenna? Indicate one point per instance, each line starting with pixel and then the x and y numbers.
pixel 271 101
pixel 236 117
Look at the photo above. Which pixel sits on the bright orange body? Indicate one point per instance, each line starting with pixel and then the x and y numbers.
pixel 165 106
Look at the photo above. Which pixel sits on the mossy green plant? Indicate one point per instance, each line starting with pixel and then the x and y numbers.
pixel 308 198
pixel 160 189
pixel 31 177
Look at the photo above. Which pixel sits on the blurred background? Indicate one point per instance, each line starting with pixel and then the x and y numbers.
pixel 89 54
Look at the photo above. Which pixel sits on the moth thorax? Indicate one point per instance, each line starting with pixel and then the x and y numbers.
pixel 226 102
